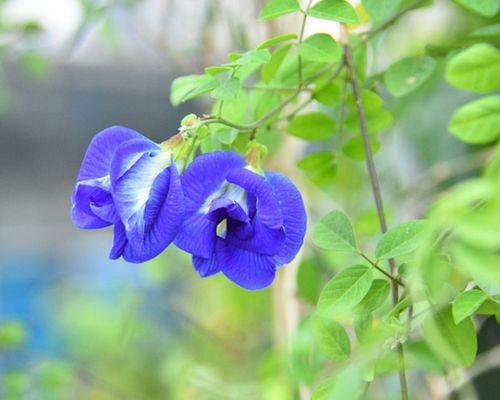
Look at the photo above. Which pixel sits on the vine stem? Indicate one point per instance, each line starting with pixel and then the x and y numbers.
pixel 375 186
pixel 301 38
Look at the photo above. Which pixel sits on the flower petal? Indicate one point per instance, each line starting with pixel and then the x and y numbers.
pixel 204 177
pixel 268 210
pixel 97 160
pixel 294 216
pixel 119 241
pixel 163 216
pixel 92 205
pixel 206 266
pixel 245 268
pixel 264 240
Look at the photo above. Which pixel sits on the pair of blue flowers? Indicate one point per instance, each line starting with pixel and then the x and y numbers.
pixel 230 218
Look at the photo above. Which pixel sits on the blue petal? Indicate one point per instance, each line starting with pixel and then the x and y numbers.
pixel 163 216
pixel 268 210
pixel 136 164
pixel 245 268
pixel 92 204
pixel 294 216
pixel 119 241
pixel 263 241
pixel 204 177
pixel 206 266
pixel 226 208
pixel 97 160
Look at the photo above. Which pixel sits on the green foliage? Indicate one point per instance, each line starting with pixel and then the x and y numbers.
pixel 477 121
pixel 188 87
pixel 456 343
pixel 332 339
pixel 467 303
pixel 320 47
pixel 334 10
pixel 345 290
pixel 335 232
pixel 476 68
pixel 401 240
pixel 12 335
pixel 408 74
pixel 487 8
pixel 277 8
pixel 312 126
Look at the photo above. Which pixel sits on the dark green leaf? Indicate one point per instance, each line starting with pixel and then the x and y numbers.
pixel 476 69
pixel 334 10
pixel 320 47
pixel 477 121
pixel 312 126
pixel 408 74
pixel 276 8
pixel 400 240
pixel 334 232
pixel 456 343
pixel 345 290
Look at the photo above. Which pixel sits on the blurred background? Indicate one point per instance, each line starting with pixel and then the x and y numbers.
pixel 75 325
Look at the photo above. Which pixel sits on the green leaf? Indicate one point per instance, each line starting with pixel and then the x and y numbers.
pixel 269 70
pixel 188 87
pixel 334 232
pixel 355 149
pixel 276 39
pixel 381 10
pixel 477 121
pixel 324 390
pixel 491 306
pixel 320 47
pixel 408 74
pixel 476 68
pixel 400 240
pixel 332 339
pixel 363 324
pixel 259 56
pixel 228 90
pixel 277 8
pixel 486 8
pixel 216 70
pixel 345 290
pixel 375 298
pixel 12 334
pixel 312 126
pixel 319 167
pixel 483 266
pixel 485 32
pixel 466 304
pixel 456 343
pixel 334 10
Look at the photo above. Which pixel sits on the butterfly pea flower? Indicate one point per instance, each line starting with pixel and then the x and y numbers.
pixel 132 183
pixel 239 222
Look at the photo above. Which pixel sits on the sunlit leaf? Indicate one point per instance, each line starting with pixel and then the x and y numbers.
pixel 400 240
pixel 375 298
pixel 476 68
pixel 276 40
pixel 228 90
pixel 312 126
pixel 332 339
pixel 269 70
pixel 408 74
pixel 345 290
pixel 276 8
pixel 320 47
pixel 334 10
pixel 188 87
pixel 334 232
pixel 466 303
pixel 487 8
pixel 477 121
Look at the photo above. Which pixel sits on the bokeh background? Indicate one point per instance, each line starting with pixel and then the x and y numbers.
pixel 75 325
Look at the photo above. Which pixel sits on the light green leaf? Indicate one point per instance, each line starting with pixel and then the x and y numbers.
pixel 400 240
pixel 477 121
pixel 319 166
pixel 363 324
pixel 277 8
pixel 381 10
pixel 478 230
pixel 320 47
pixel 375 298
pixel 456 343
pixel 466 304
pixel 312 126
pixel 228 90
pixel 491 306
pixel 484 32
pixel 334 232
pixel 483 266
pixel 408 74
pixel 345 290
pixel 354 148
pixel 476 68
pixel 487 8
pixel 332 339
pixel 334 10
pixel 259 56
pixel 188 87
pixel 216 70
pixel 269 70
pixel 276 39
pixel 324 390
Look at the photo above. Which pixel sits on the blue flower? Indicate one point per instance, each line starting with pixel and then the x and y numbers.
pixel 239 222
pixel 128 181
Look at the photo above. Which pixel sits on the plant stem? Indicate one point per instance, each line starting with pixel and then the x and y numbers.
pixel 393 279
pixel 375 186
pixel 301 37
